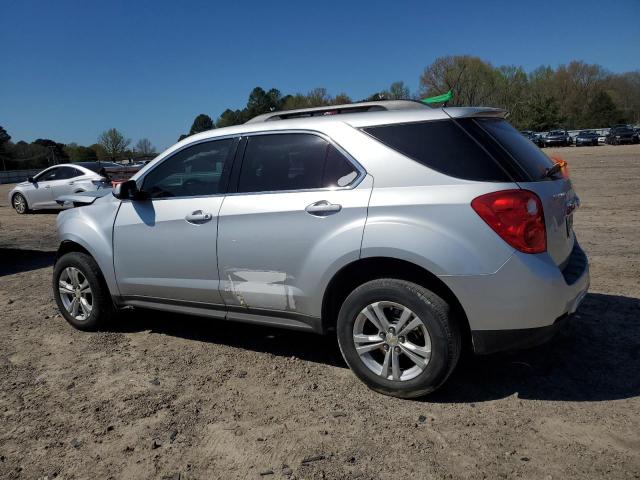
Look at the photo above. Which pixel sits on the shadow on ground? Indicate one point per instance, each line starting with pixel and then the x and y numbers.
pixel 276 341
pixel 14 260
pixel 596 357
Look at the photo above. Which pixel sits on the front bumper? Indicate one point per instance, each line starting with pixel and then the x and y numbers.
pixel 524 302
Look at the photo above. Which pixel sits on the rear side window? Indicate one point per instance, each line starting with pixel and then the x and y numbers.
pixel 295 161
pixel 442 146
pixel 527 156
pixel 68 172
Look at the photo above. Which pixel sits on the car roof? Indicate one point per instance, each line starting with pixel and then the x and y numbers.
pixel 356 120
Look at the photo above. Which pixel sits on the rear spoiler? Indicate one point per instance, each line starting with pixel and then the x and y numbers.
pixel 84 198
pixel 465 112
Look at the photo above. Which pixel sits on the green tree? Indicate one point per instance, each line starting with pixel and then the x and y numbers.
pixel 294 102
pixel 114 143
pixel 202 123
pixel 341 99
pixel 602 111
pixel 318 97
pixel 58 153
pixel 4 142
pixel 260 102
pixel 4 136
pixel 79 153
pixel 99 150
pixel 543 114
pixel 230 117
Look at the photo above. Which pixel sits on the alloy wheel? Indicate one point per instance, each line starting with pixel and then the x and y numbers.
pixel 392 341
pixel 19 203
pixel 75 293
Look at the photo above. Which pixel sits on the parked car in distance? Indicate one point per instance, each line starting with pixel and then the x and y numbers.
pixel 621 134
pixel 587 137
pixel 40 191
pixel 356 224
pixel 557 138
pixel 534 137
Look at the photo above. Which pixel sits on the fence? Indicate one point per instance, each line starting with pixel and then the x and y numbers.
pixel 16 176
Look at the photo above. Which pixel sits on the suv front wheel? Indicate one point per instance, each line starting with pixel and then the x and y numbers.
pixel 398 337
pixel 80 292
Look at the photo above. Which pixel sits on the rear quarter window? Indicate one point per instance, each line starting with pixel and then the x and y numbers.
pixel 443 146
pixel 524 153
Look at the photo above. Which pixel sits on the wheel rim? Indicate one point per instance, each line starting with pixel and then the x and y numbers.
pixel 19 203
pixel 75 293
pixel 392 341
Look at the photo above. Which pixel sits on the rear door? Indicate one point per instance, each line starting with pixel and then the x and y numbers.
pixel 299 208
pixel 64 182
pixel 165 247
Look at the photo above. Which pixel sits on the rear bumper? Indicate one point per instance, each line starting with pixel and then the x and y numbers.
pixel 491 341
pixel 521 303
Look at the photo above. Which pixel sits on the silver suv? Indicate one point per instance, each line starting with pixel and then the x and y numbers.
pixel 409 232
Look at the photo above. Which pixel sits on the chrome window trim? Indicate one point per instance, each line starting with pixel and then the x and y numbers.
pixel 362 173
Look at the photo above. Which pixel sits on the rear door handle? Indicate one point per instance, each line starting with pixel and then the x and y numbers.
pixel 323 208
pixel 198 217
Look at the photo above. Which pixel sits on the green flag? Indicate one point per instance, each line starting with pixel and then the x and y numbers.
pixel 445 97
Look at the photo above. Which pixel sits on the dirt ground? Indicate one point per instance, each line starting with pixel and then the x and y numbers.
pixel 167 396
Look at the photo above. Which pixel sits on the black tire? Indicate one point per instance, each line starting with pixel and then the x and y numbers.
pixel 18 197
pixel 435 315
pixel 101 305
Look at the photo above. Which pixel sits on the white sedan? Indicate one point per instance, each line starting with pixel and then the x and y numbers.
pixel 41 191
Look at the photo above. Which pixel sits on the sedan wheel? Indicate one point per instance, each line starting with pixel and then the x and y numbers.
pixel 20 203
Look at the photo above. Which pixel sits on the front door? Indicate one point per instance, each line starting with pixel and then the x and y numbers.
pixel 165 247
pixel 300 206
pixel 41 196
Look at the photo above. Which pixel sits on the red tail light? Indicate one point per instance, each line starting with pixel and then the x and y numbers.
pixel 515 215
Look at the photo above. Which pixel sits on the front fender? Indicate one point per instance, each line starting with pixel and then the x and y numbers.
pixel 91 227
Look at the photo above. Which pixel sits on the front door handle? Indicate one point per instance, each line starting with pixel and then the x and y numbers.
pixel 198 217
pixel 47 186
pixel 323 208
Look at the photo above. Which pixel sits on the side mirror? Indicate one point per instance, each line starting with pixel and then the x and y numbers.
pixel 31 180
pixel 129 191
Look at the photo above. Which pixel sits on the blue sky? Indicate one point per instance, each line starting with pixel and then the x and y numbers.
pixel 71 69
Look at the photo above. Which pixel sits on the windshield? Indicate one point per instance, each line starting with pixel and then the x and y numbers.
pixel 556 132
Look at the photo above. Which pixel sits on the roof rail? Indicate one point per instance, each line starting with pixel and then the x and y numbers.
pixel 359 107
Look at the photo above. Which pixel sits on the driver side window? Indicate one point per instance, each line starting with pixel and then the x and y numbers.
pixel 50 175
pixel 194 171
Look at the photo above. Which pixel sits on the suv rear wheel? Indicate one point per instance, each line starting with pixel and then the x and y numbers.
pixel 80 292
pixel 398 337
